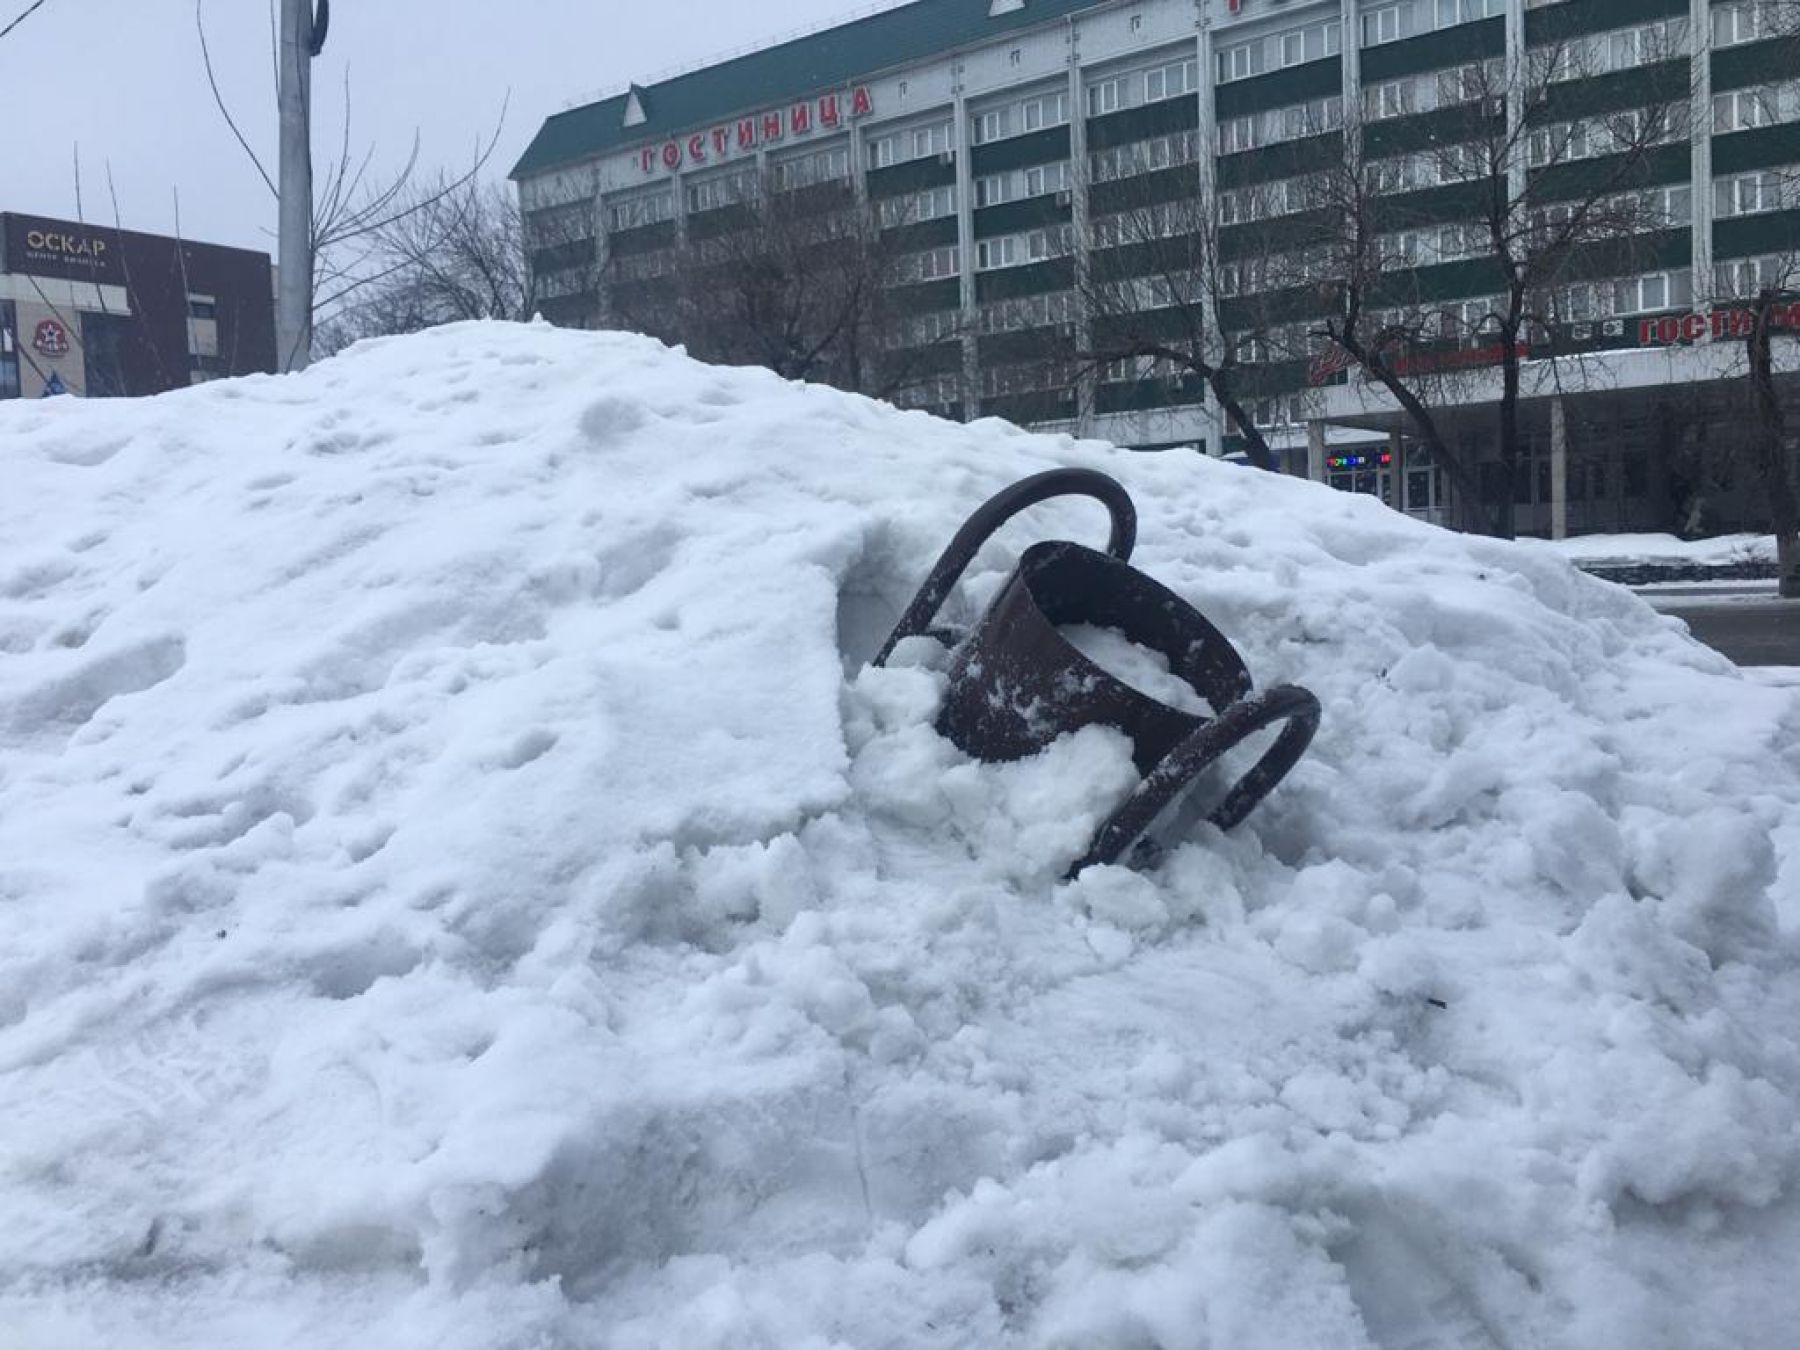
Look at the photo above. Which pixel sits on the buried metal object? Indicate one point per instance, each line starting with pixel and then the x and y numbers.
pixel 1017 683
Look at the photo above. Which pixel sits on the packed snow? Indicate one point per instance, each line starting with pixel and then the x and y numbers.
pixel 1629 550
pixel 465 888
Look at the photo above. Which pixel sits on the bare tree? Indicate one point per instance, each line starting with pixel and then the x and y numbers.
pixel 456 252
pixel 1171 284
pixel 327 227
pixel 1526 197
pixel 804 280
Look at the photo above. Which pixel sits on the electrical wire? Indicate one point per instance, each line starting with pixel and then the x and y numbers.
pixel 31 9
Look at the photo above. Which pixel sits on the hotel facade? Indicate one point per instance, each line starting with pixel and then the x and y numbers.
pixel 998 136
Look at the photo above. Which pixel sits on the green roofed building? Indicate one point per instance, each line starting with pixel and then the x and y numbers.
pixel 1013 151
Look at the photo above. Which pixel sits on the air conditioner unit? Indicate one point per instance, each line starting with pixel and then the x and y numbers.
pixel 1064 197
pixel 946 157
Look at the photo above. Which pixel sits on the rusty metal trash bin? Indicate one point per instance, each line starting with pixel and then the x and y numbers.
pixel 1016 682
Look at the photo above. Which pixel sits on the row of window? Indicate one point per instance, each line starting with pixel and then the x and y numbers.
pixel 1744 278
pixel 1626 213
pixel 1602 53
pixel 1277 51
pixel 1448 88
pixel 829 165
pixel 1647 294
pixel 1747 194
pixel 1748 20
pixel 1016 119
pixel 1457 163
pixel 912 207
pixel 1133 88
pixel 1040 180
pixel 721 190
pixel 1139 157
pixel 1294 122
pixel 1139 225
pixel 933 391
pixel 1051 309
pixel 1764 106
pixel 1264 201
pixel 932 264
pixel 1028 377
pixel 1616 133
pixel 921 142
pixel 1138 370
pixel 1409 18
pixel 1027 246
pixel 923 330
pixel 633 213
pixel 1427 245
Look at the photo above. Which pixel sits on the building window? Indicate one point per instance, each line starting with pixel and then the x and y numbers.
pixel 821 166
pixel 993 125
pixel 1387 24
pixel 1315 117
pixel 1313 42
pixel 634 213
pixel 1747 21
pixel 1748 194
pixel 1172 80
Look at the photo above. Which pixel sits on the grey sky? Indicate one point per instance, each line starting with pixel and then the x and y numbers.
pixel 123 80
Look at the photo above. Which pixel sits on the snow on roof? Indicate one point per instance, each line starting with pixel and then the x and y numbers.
pixel 462 889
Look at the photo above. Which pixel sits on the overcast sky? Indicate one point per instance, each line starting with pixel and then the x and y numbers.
pixel 122 80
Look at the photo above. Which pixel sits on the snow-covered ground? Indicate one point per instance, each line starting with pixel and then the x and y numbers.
pixel 462 888
pixel 1622 550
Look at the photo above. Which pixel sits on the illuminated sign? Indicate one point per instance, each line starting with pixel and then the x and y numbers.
pixel 828 112
pixel 51 339
pixel 1370 460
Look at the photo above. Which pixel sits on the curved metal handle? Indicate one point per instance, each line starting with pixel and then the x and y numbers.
pixel 990 516
pixel 1176 770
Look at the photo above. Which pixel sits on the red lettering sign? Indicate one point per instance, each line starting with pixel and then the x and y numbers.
pixel 1692 326
pixel 798 119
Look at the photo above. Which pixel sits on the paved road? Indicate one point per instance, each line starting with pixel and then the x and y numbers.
pixel 1746 621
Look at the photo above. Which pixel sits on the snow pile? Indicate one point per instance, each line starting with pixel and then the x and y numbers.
pixel 463 889
pixel 1625 550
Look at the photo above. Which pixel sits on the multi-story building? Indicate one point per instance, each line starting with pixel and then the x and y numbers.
pixel 94 310
pixel 1010 137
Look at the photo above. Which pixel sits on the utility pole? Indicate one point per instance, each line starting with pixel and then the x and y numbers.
pixel 293 301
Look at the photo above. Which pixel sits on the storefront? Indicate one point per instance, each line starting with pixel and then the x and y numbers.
pixel 103 312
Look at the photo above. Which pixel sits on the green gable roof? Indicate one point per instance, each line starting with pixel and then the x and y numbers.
pixel 792 70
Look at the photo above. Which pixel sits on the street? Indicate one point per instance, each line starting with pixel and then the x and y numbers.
pixel 1744 620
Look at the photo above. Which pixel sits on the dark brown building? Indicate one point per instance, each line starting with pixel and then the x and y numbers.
pixel 104 312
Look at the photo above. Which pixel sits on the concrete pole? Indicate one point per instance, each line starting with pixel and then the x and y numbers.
pixel 1315 451
pixel 1559 470
pixel 294 294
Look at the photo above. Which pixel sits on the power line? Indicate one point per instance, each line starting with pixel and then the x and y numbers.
pixel 31 9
